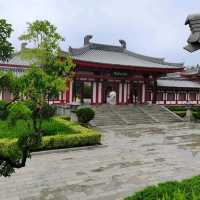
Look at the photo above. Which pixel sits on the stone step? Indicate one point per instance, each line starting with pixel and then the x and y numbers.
pixel 132 114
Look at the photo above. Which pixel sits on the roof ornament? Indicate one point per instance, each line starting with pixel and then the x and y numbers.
pixel 87 39
pixel 194 39
pixel 123 43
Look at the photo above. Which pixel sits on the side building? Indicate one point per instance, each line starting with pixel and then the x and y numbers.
pixel 104 70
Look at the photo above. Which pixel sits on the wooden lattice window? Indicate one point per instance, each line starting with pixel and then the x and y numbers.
pixel 182 96
pixel 148 96
pixel 171 96
pixel 193 96
pixel 160 96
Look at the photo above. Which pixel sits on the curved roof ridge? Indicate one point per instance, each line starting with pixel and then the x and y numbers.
pixel 106 47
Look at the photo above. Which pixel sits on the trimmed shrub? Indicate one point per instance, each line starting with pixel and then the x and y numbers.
pixel 188 189
pixel 85 115
pixel 177 108
pixel 67 141
pixel 59 141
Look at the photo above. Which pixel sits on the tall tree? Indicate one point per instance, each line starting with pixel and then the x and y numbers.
pixel 44 80
pixel 6 48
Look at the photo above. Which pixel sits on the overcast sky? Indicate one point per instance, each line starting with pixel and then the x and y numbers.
pixel 151 27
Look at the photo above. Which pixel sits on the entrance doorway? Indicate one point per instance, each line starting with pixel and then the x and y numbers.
pixel 110 94
pixel 136 93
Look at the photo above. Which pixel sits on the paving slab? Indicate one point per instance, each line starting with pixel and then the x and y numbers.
pixel 133 157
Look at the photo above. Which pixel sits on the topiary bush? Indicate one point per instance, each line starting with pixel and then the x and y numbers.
pixel 85 115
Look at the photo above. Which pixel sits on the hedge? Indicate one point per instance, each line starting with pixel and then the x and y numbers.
pixel 196 115
pixel 188 189
pixel 181 113
pixel 177 108
pixel 59 141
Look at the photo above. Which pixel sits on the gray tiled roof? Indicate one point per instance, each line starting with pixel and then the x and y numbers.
pixel 179 83
pixel 17 60
pixel 118 55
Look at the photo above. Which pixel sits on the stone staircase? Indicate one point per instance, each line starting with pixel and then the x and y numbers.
pixel 108 115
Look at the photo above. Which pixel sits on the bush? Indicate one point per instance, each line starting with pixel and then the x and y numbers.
pixel 3 110
pixel 196 115
pixel 188 189
pixel 58 141
pixel 177 108
pixel 67 141
pixel 181 113
pixel 46 111
pixel 85 115
pixel 19 111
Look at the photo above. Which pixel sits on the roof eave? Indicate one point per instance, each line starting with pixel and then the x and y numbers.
pixel 128 67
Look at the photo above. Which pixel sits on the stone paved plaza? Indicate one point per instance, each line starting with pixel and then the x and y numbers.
pixel 131 158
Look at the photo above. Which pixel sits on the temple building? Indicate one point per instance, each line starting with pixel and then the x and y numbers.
pixel 113 74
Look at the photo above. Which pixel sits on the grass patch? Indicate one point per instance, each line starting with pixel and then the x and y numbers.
pixel 188 189
pixel 57 133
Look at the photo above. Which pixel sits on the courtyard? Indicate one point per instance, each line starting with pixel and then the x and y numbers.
pixel 130 158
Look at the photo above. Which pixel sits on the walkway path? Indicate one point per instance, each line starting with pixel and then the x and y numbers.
pixel 135 156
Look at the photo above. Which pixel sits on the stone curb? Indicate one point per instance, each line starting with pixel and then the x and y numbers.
pixel 67 149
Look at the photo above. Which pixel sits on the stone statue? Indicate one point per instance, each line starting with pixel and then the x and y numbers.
pixel 112 98
pixel 194 39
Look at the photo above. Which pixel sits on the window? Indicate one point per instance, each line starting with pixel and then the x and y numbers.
pixel 193 96
pixel 182 96
pixel 148 96
pixel 160 96
pixel 170 96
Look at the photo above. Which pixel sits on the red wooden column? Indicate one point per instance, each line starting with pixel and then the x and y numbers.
pixel 100 92
pixel 94 93
pixel 82 92
pixel 154 91
pixel 71 91
pixel 117 91
pixel 67 92
pixel 97 92
pixel 125 93
pixel 128 92
pixel 143 93
pixel 176 96
pixel 122 93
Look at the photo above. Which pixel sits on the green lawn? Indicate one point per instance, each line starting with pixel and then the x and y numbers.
pixel 57 133
pixel 53 126
pixel 188 189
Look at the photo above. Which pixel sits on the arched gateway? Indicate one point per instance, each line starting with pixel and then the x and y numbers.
pixel 133 77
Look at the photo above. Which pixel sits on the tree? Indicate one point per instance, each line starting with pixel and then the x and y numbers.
pixel 44 80
pixel 6 48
